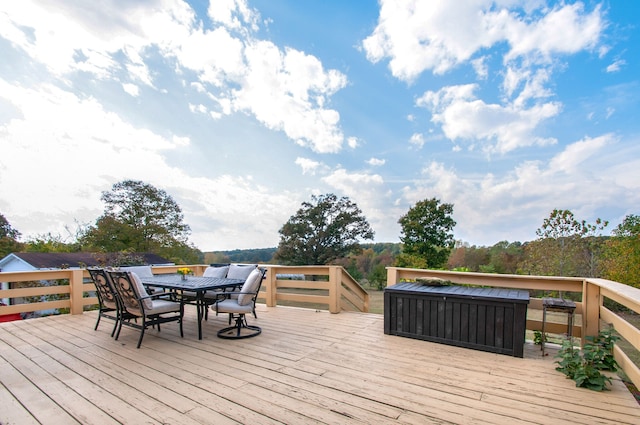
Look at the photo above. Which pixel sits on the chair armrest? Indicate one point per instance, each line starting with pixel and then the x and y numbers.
pixel 170 295
pixel 227 294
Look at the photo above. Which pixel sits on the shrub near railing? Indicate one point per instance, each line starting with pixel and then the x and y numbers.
pixel 591 293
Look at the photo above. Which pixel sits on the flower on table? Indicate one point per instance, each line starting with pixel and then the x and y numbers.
pixel 185 271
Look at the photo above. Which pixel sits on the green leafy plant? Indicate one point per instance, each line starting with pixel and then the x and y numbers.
pixel 597 355
pixel 537 337
pixel 570 360
pixel 599 350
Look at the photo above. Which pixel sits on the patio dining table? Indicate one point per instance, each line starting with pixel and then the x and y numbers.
pixel 198 284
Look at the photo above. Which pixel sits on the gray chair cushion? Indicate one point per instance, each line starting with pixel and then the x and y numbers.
pixel 240 271
pixel 141 271
pixel 147 302
pixel 162 306
pixel 232 306
pixel 216 271
pixel 250 286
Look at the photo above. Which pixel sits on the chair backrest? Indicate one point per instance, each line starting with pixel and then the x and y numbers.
pixel 104 288
pixel 130 290
pixel 216 271
pixel 141 271
pixel 251 287
pixel 240 271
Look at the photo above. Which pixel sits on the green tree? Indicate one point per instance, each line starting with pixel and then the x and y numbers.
pixel 622 252
pixel 8 238
pixel 49 242
pixel 378 277
pixel 321 231
pixel 141 218
pixel 565 246
pixel 427 234
pixel 506 257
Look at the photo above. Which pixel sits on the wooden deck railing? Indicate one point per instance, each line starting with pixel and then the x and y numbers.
pixel 590 295
pixel 330 286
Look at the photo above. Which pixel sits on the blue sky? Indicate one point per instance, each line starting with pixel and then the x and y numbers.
pixel 241 110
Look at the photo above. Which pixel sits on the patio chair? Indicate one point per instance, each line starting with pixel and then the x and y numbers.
pixel 108 303
pixel 239 307
pixel 231 271
pixel 241 271
pixel 150 308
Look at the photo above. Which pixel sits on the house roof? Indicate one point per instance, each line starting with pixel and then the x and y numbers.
pixel 58 260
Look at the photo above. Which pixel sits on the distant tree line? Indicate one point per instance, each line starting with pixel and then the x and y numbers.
pixel 565 246
pixel 332 230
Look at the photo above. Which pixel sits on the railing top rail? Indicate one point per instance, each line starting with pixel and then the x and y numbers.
pixel 622 291
pixel 477 275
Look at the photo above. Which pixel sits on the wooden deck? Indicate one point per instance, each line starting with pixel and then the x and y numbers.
pixel 306 367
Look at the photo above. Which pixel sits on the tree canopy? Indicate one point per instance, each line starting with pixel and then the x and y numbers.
pixel 8 238
pixel 321 231
pixel 141 218
pixel 622 252
pixel 565 246
pixel 427 234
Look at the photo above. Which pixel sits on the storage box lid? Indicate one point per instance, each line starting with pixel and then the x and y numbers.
pixel 497 294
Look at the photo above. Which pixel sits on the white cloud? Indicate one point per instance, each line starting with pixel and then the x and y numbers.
pixel 131 89
pixel 616 65
pixel 231 223
pixel 286 90
pixel 353 142
pixel 540 39
pixel 481 67
pixel 501 128
pixel 351 183
pixel 233 13
pixel 417 139
pixel 198 108
pixel 575 154
pixel 376 162
pixel 308 166
pixel 610 111
pixel 416 35
pixel 582 177
pixel 66 37
pixel 216 56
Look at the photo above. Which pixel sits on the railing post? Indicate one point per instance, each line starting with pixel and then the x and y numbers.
pixel 335 273
pixel 270 286
pixel 392 276
pixel 76 282
pixel 591 301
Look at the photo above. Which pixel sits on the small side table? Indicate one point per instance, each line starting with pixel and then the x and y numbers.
pixel 557 305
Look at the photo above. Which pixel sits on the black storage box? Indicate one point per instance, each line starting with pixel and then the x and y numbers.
pixel 487 319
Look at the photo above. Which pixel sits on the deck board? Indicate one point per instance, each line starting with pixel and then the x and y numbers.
pixel 306 367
